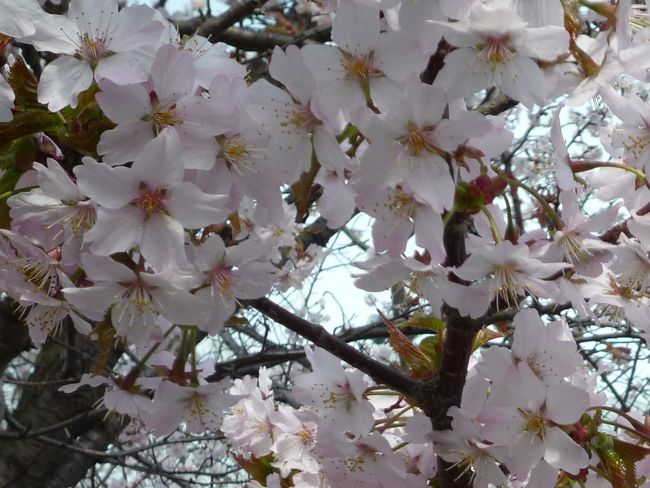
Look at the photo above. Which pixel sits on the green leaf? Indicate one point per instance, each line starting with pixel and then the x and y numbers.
pixel 425 322
pixel 618 459
pixel 433 347
pixel 8 182
pixel 86 132
pixel 27 123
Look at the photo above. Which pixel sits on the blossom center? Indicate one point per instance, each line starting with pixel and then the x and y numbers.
pixel 234 150
pixel 303 119
pixel 360 67
pixel 152 202
pixel 197 407
pixel 92 48
pixel 237 153
pixel 574 252
pixel 495 50
pixel 418 141
pixel 42 276
pixel 400 203
pixel 507 284
pixel 166 118
pixel 307 435
pixel 534 423
pixel 221 277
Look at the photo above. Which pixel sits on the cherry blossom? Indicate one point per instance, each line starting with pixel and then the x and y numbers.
pixel 292 118
pixel 336 394
pixel 136 299
pixel 153 206
pixel 59 205
pixel 228 274
pixel 510 272
pixel 200 406
pixel 366 63
pixel 167 101
pixel 489 55
pixel 101 37
pixel 532 428
pixel 159 185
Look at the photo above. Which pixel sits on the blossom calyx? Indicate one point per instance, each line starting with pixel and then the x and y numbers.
pixel 472 196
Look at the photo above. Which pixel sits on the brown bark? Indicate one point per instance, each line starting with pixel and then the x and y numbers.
pixel 27 461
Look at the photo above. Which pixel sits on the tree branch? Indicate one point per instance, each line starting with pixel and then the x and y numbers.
pixel 321 338
pixel 215 26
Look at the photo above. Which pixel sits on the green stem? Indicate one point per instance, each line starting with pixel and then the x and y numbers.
pixel 555 218
pixel 579 166
pixel 153 349
pixel 448 216
pixel 493 224
pixel 130 378
pixel 628 429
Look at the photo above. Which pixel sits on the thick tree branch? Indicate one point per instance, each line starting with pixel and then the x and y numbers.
pixel 248 39
pixel 29 463
pixel 14 335
pixel 215 26
pixel 321 338
pixel 445 389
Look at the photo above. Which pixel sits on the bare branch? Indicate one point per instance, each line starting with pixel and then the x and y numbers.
pixel 321 338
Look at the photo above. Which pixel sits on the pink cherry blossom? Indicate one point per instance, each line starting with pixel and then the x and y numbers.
pixel 201 407
pixel 497 48
pixel 152 207
pixel 229 273
pixel 95 43
pixel 136 299
pixel 509 272
pixel 336 394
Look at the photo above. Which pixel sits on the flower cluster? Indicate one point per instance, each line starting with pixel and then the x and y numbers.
pixel 190 185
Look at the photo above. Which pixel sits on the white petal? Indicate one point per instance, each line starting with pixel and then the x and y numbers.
pixel 355 28
pixel 18 18
pixel 135 27
pixel 562 452
pixel 172 73
pixel 110 187
pixel 159 164
pixel 123 103
pixel 94 298
pixel 62 80
pixel 6 100
pixel 566 403
pixel 101 268
pixel 195 209
pixel 125 142
pixel 115 230
pixel 162 242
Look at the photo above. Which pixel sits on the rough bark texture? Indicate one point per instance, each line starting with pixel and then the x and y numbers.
pixel 29 462
pixel 446 388
pixel 14 337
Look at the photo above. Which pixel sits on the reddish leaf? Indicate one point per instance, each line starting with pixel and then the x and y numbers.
pixel 105 334
pixel 484 336
pixel 419 364
pixel 258 468
pixel 302 191
pixel 24 84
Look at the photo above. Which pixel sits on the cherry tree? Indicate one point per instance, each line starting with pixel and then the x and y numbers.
pixel 185 202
